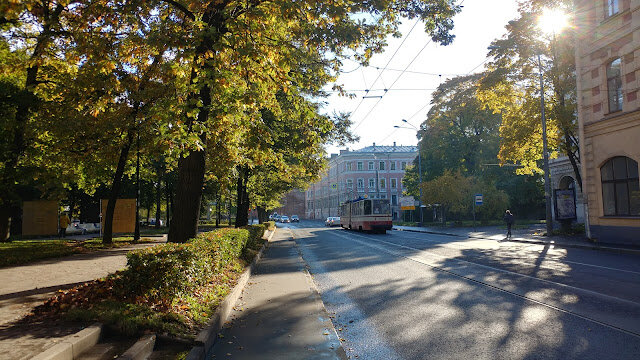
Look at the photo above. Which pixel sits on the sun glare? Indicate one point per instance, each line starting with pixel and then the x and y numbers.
pixel 552 21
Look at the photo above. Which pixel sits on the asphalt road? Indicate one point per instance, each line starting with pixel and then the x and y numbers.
pixel 424 296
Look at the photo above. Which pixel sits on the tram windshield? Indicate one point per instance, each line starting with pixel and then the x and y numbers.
pixel 381 206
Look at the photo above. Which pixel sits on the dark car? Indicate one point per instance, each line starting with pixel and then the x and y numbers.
pixel 295 218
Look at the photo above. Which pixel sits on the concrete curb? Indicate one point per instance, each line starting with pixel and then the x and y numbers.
pixel 539 242
pixel 209 335
pixel 70 347
pixel 141 349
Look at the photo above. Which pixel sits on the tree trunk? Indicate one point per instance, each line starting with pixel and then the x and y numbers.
pixel 107 237
pixel 5 222
pixel 218 207
pixel 188 196
pixel 167 189
pixel 158 201
pixel 262 214
pixel 242 201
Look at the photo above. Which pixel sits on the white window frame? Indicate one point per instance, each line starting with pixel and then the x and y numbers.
pixel 372 183
pixel 371 166
pixel 381 165
pixel 360 166
pixel 392 166
pixel 612 7
pixel 359 183
pixel 394 183
pixel 383 183
pixel 403 165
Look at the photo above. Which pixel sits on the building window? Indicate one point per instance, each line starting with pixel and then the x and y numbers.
pixel 383 183
pixel 404 165
pixel 349 184
pixel 614 85
pixel 360 166
pixel 372 183
pixel 392 165
pixel 613 7
pixel 349 166
pixel 394 183
pixel 371 165
pixel 360 184
pixel 394 200
pixel 381 165
pixel 620 187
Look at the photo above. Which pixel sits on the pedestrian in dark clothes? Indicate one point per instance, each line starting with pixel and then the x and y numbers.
pixel 508 218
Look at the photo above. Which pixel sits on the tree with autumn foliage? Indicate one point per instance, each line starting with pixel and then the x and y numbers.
pixel 511 88
pixel 243 53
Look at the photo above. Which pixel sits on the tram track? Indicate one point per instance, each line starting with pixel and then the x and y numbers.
pixel 593 317
pixel 507 256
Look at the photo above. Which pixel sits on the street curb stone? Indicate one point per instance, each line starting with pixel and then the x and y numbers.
pixel 539 242
pixel 141 349
pixel 73 345
pixel 207 338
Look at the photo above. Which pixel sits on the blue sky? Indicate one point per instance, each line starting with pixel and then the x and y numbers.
pixel 426 64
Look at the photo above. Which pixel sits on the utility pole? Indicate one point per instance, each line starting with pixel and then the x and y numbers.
pixel 545 156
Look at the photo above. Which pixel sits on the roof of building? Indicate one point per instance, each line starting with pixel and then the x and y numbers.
pixel 387 148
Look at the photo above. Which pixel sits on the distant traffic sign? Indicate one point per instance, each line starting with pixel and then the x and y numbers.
pixel 478 199
pixel 407 203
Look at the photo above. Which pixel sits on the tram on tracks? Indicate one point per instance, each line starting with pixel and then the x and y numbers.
pixel 366 215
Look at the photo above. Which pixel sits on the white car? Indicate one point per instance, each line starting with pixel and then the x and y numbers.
pixel 332 221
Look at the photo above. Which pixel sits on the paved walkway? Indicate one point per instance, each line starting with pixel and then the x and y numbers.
pixel 533 234
pixel 24 287
pixel 280 314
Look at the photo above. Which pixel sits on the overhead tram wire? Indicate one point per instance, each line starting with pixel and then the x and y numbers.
pixel 388 62
pixel 394 82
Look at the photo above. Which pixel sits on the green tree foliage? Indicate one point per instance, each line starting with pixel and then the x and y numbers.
pixel 196 80
pixel 451 190
pixel 458 134
pixel 511 87
pixel 269 54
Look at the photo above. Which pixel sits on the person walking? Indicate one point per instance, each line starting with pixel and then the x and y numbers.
pixel 64 222
pixel 508 218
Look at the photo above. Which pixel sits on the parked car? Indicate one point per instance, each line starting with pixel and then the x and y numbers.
pixel 76 227
pixel 284 219
pixel 276 218
pixel 295 218
pixel 332 221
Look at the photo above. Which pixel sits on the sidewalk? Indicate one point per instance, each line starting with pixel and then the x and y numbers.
pixel 280 314
pixel 24 287
pixel 532 235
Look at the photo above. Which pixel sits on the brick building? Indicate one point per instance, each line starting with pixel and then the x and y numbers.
pixel 374 171
pixel 607 64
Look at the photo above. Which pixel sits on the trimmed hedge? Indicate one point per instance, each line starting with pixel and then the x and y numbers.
pixel 171 288
pixel 162 272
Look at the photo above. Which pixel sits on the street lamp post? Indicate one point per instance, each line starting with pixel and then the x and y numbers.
pixel 545 156
pixel 419 170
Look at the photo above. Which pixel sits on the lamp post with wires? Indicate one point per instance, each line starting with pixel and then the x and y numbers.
pixel 419 168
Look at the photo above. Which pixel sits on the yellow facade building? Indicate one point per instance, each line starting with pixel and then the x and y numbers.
pixel 608 82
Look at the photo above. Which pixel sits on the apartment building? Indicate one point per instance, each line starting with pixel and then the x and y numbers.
pixel 607 64
pixel 375 172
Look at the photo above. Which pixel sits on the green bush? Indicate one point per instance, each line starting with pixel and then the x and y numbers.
pixel 164 271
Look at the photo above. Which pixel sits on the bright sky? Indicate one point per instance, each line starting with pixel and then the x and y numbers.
pixel 409 95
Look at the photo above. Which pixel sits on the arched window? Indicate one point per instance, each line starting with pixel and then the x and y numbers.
pixel 620 187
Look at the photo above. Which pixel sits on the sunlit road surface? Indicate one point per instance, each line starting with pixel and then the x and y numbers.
pixel 424 296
